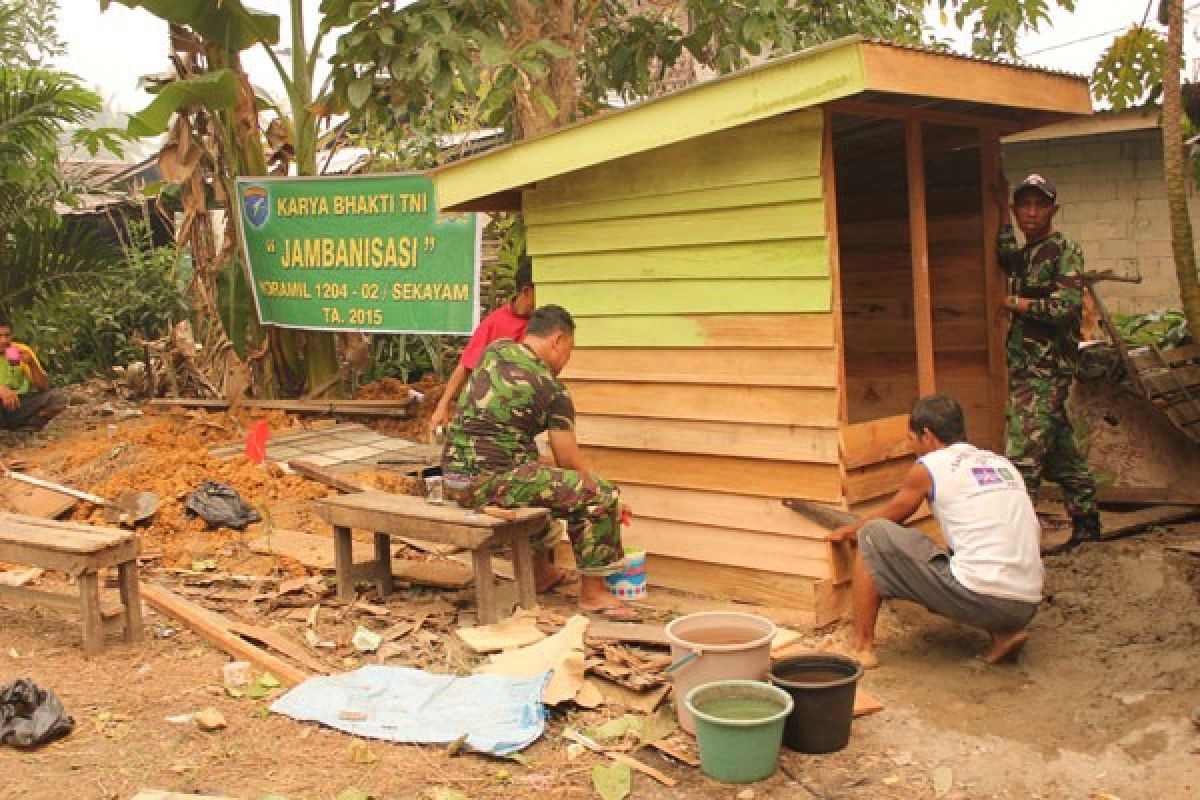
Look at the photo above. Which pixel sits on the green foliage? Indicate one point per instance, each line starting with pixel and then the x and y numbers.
pixel 1130 70
pixel 215 90
pixel 995 24
pixel 1165 328
pixel 228 22
pixel 29 34
pixel 84 327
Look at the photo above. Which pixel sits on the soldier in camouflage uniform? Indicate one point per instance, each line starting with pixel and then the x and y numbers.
pixel 1045 300
pixel 514 395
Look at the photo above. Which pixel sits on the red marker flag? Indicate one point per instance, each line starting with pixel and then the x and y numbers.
pixel 256 441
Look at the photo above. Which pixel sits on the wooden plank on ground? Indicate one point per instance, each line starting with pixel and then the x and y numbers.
pixel 33 501
pixel 326 476
pixel 316 552
pixel 638 633
pixel 1192 547
pixel 368 408
pixel 216 629
pixel 280 643
pixel 1116 524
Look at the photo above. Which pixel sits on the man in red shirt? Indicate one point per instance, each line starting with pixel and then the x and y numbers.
pixel 506 322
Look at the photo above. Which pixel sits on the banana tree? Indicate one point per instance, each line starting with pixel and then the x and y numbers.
pixel 212 36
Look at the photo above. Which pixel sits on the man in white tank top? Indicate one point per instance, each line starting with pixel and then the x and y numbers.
pixel 991 574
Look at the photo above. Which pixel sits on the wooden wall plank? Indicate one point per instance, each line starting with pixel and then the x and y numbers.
pixel 758 404
pixel 733 547
pixel 730 158
pixel 784 258
pixel 919 243
pixel 877 480
pixel 756 223
pixel 604 298
pixel 739 511
pixel 706 330
pixel 869 443
pixel 773 442
pixel 740 367
pixel 732 583
pixel 712 473
pixel 669 202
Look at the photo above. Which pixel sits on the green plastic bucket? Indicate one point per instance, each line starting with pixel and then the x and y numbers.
pixel 739 727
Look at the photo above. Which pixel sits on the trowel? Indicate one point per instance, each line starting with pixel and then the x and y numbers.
pixel 129 507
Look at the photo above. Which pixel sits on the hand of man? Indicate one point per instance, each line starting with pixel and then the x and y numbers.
pixel 440 418
pixel 846 533
pixel 9 399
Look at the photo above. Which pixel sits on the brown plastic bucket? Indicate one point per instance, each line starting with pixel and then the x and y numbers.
pixel 718 646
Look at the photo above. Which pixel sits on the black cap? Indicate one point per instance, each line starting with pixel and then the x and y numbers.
pixel 1036 181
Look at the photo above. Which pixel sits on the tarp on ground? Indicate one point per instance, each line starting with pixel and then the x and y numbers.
pixel 498 714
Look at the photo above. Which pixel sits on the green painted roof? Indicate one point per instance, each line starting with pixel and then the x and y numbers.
pixel 838 70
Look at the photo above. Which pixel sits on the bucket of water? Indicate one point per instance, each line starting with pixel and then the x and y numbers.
pixel 739 726
pixel 822 687
pixel 714 646
pixel 630 582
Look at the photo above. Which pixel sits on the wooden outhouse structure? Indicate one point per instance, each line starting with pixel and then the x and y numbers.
pixel 766 270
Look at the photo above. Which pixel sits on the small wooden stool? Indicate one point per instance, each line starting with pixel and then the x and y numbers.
pixel 402 515
pixel 81 551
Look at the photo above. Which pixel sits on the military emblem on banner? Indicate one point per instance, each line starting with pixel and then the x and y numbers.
pixel 256 205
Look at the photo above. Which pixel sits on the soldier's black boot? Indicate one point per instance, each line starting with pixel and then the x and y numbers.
pixel 1084 528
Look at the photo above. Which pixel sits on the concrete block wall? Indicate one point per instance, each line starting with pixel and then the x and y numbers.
pixel 1114 204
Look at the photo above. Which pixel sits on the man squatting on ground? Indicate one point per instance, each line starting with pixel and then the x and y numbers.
pixel 26 399
pixel 991 576
pixel 506 322
pixel 513 395
pixel 1046 304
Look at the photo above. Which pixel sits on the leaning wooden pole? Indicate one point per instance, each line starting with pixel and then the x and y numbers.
pixel 1182 243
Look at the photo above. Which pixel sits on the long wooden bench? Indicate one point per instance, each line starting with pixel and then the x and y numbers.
pixel 390 515
pixel 80 551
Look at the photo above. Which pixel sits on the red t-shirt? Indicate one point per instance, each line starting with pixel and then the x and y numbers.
pixel 500 324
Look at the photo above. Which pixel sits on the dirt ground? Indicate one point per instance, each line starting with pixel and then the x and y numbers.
pixel 1097 707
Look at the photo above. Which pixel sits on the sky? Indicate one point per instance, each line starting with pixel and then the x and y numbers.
pixel 111 50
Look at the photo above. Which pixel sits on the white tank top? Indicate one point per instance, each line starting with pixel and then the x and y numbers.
pixel 979 500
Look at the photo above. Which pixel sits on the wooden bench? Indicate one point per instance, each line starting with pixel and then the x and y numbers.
pixel 80 551
pixel 390 515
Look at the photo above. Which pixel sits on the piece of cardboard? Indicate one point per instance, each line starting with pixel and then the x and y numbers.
pixel 519 630
pixel 562 653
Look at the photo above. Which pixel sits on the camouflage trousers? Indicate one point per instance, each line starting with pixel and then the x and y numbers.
pixel 1040 443
pixel 587 504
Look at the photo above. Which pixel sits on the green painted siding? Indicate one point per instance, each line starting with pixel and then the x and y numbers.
pixel 728 223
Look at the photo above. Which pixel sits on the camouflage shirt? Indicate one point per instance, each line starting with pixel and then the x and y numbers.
pixel 1049 273
pixel 511 397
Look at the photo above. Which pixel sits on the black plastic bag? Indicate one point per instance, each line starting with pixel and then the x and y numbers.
pixel 221 506
pixel 30 716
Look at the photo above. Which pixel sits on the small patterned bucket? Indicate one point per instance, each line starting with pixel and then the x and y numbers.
pixel 629 583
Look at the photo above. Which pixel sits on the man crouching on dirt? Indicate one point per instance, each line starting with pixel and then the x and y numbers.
pixel 991 577
pixel 26 399
pixel 512 396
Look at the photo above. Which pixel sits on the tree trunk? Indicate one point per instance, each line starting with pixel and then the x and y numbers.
pixel 1173 167
pixel 554 20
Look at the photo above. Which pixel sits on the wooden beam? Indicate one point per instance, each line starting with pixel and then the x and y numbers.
pixel 865 108
pixel 322 475
pixel 994 289
pixel 867 443
pixel 363 408
pixel 216 629
pixel 919 243
pixel 829 174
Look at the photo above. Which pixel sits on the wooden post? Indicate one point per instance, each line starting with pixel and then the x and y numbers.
pixel 131 599
pixel 829 190
pixel 994 288
pixel 343 561
pixel 89 606
pixel 919 246
pixel 523 569
pixel 383 564
pixel 485 584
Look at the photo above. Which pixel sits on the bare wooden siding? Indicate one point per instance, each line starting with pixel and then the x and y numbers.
pixel 705 374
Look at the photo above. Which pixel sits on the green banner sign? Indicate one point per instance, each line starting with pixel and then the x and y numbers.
pixel 363 253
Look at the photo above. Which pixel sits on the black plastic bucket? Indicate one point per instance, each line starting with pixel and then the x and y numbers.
pixel 822 687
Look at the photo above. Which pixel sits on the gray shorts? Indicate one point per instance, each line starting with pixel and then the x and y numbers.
pixel 908 565
pixel 36 409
